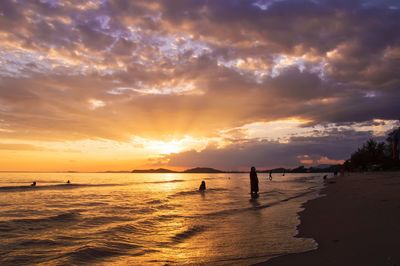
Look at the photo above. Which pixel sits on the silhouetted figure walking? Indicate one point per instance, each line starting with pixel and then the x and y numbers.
pixel 202 186
pixel 270 175
pixel 253 183
pixel 33 184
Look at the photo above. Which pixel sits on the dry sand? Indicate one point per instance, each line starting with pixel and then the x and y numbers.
pixel 356 223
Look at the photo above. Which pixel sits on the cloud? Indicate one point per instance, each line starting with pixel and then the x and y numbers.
pixel 166 69
pixel 334 147
pixel 20 147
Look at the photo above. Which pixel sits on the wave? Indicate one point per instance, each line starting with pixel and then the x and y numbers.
pixel 272 192
pixel 300 179
pixel 255 206
pixel 39 223
pixel 167 217
pixel 63 217
pixel 30 182
pixel 214 178
pixel 162 182
pixel 52 187
pixel 39 242
pixel 96 221
pixel 234 260
pixel 196 192
pixel 124 228
pixel 96 253
pixel 22 259
pixel 89 253
pixel 306 178
pixel 156 201
pixel 188 233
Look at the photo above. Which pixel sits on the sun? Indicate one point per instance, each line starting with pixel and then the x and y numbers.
pixel 169 147
pixel 166 147
pixel 162 147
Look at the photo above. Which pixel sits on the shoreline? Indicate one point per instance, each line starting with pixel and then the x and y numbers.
pixel 355 221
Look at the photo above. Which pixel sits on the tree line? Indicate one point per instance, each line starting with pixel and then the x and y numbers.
pixel 374 155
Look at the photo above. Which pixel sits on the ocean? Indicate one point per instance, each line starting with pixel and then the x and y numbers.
pixel 150 219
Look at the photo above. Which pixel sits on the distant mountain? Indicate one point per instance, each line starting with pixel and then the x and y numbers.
pixel 323 168
pixel 115 172
pixel 327 169
pixel 275 170
pixel 159 170
pixel 197 170
pixel 200 170
pixel 301 169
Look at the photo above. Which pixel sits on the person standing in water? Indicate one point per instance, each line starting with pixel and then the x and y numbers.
pixel 270 175
pixel 395 135
pixel 253 182
pixel 202 186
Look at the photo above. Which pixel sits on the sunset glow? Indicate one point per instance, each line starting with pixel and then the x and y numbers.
pixel 115 85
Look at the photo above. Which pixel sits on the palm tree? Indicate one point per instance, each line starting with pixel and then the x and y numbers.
pixel 394 142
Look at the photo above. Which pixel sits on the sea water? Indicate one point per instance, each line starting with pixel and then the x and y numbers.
pixel 150 219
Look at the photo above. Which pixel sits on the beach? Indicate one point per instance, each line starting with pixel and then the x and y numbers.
pixel 357 222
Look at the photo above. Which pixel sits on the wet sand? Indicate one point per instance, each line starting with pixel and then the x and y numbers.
pixel 356 223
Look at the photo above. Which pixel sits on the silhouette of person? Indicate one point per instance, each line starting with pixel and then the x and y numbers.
pixel 253 182
pixel 202 186
pixel 270 175
pixel 396 144
pixel 283 172
pixel 33 184
pixel 68 182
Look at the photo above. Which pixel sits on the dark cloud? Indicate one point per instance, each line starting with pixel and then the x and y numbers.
pixel 338 145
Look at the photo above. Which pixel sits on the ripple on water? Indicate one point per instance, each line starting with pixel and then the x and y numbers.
pixel 23 259
pixel 40 243
pixel 122 228
pixel 90 253
pixel 100 225
pixel 43 223
pixel 196 192
pixel 156 201
pixel 188 233
pixel 111 249
pixel 95 221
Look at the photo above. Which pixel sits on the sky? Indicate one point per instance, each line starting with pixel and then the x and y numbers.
pixel 120 85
